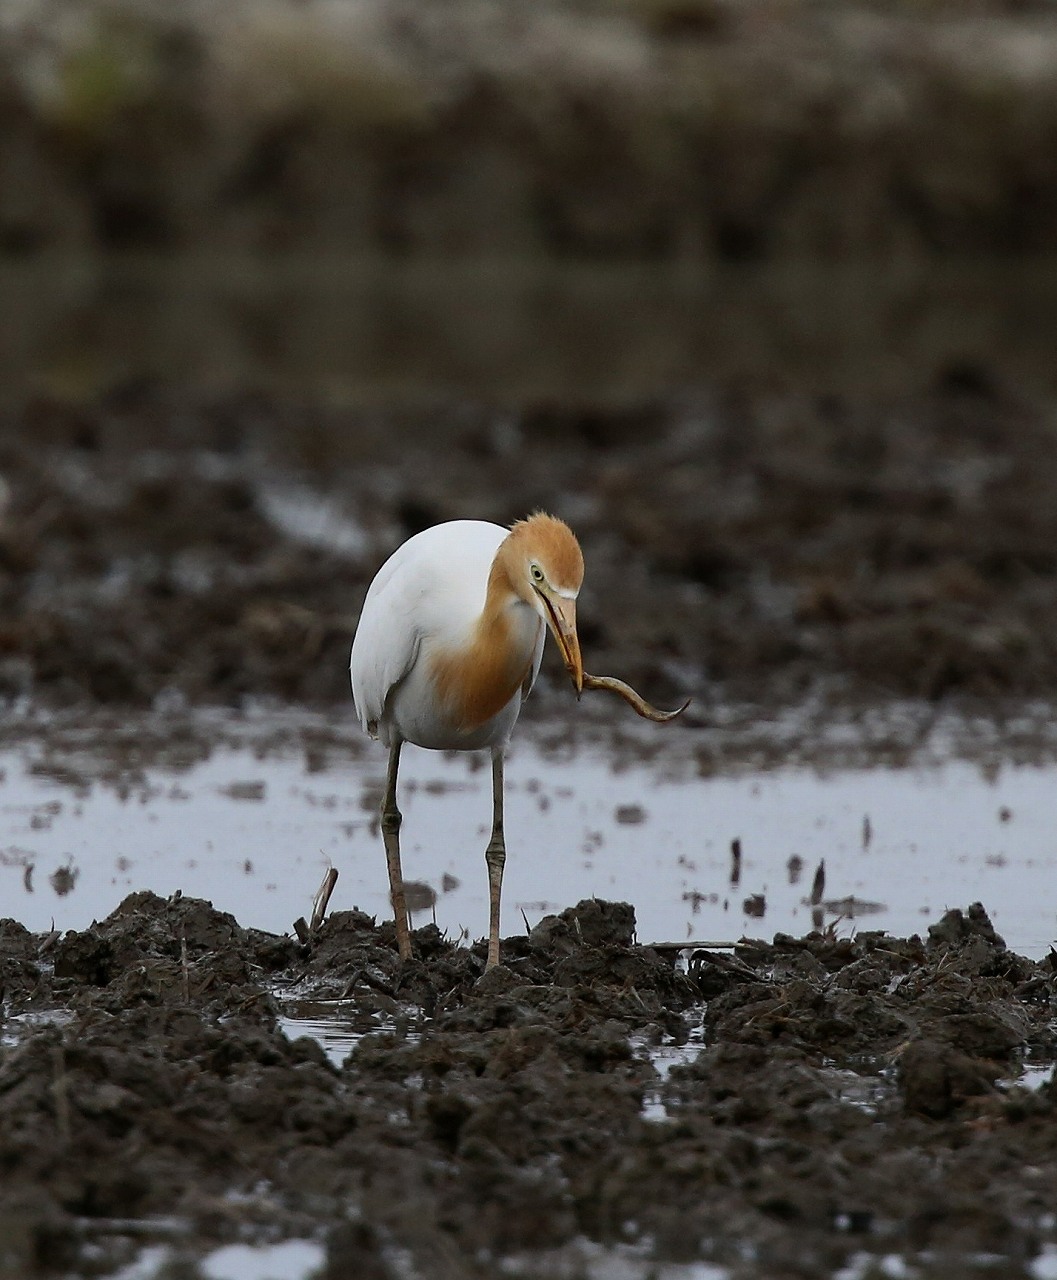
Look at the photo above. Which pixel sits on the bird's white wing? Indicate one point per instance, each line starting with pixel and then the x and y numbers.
pixel 432 586
pixel 385 645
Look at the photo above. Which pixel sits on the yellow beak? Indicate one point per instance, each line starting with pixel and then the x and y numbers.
pixel 561 614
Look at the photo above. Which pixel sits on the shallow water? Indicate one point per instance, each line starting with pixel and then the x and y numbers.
pixel 288 1260
pixel 337 1026
pixel 254 830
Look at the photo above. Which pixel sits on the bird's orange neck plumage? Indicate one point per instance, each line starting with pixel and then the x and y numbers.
pixel 476 681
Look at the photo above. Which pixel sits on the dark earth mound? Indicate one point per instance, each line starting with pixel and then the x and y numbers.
pixel 838 1097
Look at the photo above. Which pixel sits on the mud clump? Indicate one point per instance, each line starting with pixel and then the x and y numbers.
pixel 152 1071
pixel 591 924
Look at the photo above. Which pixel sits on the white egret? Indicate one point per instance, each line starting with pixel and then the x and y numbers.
pixel 447 648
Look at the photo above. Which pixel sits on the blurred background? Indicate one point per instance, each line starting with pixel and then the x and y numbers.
pixel 760 295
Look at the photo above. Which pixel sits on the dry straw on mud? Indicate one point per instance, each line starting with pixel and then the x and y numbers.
pixel 305 930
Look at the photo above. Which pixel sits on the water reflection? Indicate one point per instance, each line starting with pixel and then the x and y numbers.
pixel 400 332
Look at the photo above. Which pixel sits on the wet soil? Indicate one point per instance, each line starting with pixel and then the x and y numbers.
pixel 834 1101
pixel 767 532
pixel 743 543
pixel 838 1098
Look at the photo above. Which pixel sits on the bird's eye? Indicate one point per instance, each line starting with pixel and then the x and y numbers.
pixel 537 573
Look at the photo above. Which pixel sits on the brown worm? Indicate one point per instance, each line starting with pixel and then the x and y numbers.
pixel 633 699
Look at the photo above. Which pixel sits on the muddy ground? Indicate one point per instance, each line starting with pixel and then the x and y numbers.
pixel 834 492
pixel 838 1100
pixel 741 543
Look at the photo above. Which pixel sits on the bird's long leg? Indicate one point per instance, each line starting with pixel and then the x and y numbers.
pixel 391 818
pixel 495 857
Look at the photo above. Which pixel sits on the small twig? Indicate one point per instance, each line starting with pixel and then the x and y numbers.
pixel 735 862
pixel 528 927
pixel 49 942
pixel 210 981
pixel 322 898
pixel 818 888
pixel 292 982
pixel 350 986
pixel 778 1008
pixel 729 964
pixel 376 984
pixel 320 902
pixel 244 1004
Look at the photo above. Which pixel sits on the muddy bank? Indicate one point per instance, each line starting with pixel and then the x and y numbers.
pixel 834 1098
pixel 658 129
pixel 741 543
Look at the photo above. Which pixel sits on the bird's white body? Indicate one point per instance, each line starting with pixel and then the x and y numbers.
pixel 425 601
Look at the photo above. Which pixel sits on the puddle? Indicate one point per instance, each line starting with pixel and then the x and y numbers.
pixel 867 1092
pixel 331 1033
pixel 1035 1076
pixel 286 1261
pixel 253 829
pixel 336 1025
pixel 1044 1267
pixel 14 1026
pixel 1035 1071
pixel 663 1057
pixel 289 1260
pixel 926 1264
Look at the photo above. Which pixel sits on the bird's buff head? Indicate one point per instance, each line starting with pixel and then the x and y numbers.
pixel 547 570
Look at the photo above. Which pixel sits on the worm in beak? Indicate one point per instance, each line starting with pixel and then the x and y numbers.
pixel 635 700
